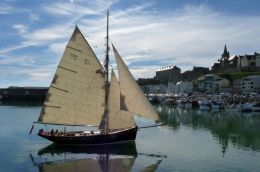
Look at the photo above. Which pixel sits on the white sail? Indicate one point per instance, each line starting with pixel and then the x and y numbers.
pixel 76 94
pixel 132 99
pixel 118 119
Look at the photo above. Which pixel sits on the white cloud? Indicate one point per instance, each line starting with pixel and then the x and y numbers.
pixel 80 8
pixel 27 76
pixel 20 60
pixel 57 48
pixel 194 35
pixel 5 8
pixel 20 28
pixel 34 17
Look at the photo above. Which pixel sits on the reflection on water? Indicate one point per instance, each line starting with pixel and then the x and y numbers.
pixel 238 129
pixel 105 158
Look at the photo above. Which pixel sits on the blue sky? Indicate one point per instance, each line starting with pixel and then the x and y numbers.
pixel 149 34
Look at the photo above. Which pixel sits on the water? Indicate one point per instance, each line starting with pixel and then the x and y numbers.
pixel 191 141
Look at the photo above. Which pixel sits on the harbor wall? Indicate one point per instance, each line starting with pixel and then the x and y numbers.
pixel 23 93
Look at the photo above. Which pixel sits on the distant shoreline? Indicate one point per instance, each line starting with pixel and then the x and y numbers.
pixel 23 93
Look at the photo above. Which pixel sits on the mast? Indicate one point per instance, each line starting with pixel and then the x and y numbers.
pixel 106 78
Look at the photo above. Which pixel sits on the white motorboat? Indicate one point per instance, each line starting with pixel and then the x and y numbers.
pixel 247 107
pixel 203 104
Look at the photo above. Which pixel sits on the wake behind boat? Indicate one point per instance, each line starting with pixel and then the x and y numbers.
pixel 81 95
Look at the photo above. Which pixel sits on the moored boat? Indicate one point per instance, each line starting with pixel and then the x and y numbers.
pixel 214 105
pixel 203 105
pixel 247 107
pixel 256 107
pixel 81 95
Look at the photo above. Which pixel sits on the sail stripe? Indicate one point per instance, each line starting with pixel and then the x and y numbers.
pixel 67 69
pixel 52 106
pixel 59 89
pixel 74 49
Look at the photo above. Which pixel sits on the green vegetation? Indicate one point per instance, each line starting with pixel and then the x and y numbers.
pixel 237 75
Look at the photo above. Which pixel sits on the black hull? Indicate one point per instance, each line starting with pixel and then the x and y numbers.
pixel 127 148
pixel 111 138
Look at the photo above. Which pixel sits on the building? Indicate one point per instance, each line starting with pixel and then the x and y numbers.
pixel 226 63
pixel 170 73
pixel 154 89
pixel 184 87
pixel 237 85
pixel 212 84
pixel 249 62
pixel 224 60
pixel 236 63
pixel 250 84
pixel 194 73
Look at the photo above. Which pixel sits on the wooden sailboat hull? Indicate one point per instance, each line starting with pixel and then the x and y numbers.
pixel 127 148
pixel 111 138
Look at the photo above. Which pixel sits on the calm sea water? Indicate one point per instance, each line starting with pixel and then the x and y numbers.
pixel 191 141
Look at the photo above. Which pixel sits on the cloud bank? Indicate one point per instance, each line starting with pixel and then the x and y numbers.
pixel 147 38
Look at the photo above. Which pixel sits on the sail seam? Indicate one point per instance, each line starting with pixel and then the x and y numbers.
pixel 67 69
pixel 59 89
pixel 74 49
pixel 52 106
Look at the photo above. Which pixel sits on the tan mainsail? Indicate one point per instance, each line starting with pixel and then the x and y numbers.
pixel 118 119
pixel 76 94
pixel 132 96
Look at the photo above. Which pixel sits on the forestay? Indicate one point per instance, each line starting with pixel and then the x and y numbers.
pixel 76 94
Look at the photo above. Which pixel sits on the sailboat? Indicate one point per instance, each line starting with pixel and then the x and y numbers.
pixel 80 94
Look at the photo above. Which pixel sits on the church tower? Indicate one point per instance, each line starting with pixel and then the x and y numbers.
pixel 225 56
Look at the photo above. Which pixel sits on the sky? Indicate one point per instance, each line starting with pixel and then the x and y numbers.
pixel 149 34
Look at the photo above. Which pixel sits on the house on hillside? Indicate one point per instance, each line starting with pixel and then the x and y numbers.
pixel 236 63
pixel 250 84
pixel 212 84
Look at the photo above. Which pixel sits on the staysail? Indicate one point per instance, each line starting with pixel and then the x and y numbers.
pixel 118 119
pixel 132 98
pixel 76 94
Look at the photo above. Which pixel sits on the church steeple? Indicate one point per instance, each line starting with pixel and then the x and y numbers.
pixel 225 56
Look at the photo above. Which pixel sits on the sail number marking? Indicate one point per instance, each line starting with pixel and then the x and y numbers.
pixel 87 62
pixel 73 56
